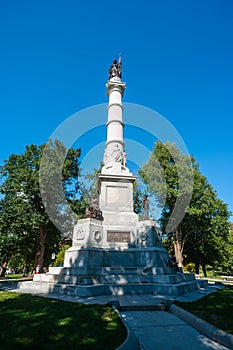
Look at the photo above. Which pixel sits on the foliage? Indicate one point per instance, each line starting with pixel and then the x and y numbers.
pixel 228 263
pixel 25 226
pixel 202 234
pixel 89 186
pixel 40 323
pixel 17 262
pixel 137 198
pixel 59 184
pixel 208 226
pixel 168 245
pixel 190 267
pixel 60 255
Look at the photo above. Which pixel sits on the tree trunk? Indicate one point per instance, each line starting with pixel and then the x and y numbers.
pixel 3 269
pixel 178 249
pixel 204 269
pixel 196 268
pixel 39 259
pixel 27 268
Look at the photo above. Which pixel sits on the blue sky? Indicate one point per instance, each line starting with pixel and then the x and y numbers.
pixel 177 60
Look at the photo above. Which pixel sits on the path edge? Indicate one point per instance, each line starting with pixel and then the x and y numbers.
pixel 131 341
pixel 203 327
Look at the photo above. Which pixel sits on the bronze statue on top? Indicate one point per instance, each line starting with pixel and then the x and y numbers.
pixel 145 204
pixel 93 211
pixel 115 71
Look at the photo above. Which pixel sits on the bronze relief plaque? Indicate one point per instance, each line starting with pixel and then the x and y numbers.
pixel 116 236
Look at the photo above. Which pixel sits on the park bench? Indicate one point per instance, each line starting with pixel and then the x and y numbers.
pixel 227 278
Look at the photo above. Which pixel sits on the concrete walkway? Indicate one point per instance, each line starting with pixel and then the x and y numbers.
pixel 161 330
pixel 154 329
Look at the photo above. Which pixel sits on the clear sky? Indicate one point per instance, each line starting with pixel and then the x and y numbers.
pixel 177 60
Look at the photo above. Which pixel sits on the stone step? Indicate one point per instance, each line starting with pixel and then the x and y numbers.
pixel 159 279
pixel 133 270
pixel 158 307
pixel 111 270
pixel 88 290
pixel 88 280
pixel 124 279
pixel 202 283
pixel 153 288
pixel 114 288
pixel 112 278
pixel 174 278
pixel 129 288
pixel 64 289
pixel 176 289
pixel 65 279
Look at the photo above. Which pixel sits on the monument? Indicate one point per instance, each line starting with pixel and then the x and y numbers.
pixel 113 252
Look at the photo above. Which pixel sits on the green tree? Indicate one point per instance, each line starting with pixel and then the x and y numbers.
pixel 60 255
pixel 201 219
pixel 137 197
pixel 228 263
pixel 25 225
pixel 207 222
pixel 89 185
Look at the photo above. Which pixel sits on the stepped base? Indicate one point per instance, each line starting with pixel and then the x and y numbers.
pixel 165 289
pixel 92 272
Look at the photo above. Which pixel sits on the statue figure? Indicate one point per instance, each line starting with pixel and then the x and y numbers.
pixel 116 69
pixel 145 204
pixel 93 210
pixel 118 155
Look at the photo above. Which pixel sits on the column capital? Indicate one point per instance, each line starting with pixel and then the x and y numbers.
pixel 115 86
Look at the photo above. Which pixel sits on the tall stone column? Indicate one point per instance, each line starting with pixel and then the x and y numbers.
pixel 115 156
pixel 115 180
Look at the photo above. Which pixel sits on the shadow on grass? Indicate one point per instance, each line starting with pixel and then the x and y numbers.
pixel 30 322
pixel 216 308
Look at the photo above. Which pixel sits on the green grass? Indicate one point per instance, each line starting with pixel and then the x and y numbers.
pixel 216 308
pixel 31 322
pixel 14 275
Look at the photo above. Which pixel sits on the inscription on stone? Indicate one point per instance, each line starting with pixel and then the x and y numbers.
pixel 116 236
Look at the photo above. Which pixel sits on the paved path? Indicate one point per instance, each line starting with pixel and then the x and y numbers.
pixel 161 330
pixel 155 330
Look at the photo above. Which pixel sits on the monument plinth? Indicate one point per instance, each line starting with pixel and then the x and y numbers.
pixel 113 252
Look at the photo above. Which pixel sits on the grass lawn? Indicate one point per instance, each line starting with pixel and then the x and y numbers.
pixel 14 276
pixel 31 322
pixel 216 308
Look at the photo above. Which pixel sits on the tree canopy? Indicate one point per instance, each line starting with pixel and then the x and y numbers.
pixel 25 225
pixel 201 222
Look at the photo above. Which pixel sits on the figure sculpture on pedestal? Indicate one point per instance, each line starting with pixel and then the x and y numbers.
pixel 145 204
pixel 93 211
pixel 118 154
pixel 116 69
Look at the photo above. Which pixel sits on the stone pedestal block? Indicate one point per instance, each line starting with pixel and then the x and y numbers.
pixel 88 232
